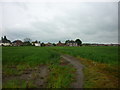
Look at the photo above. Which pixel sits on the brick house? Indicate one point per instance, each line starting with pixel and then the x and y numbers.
pixel 17 43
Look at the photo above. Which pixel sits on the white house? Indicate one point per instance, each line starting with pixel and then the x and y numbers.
pixel 5 44
pixel 72 43
pixel 37 44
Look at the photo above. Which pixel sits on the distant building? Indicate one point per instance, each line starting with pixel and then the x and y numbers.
pixel 17 43
pixel 60 44
pixel 5 42
pixel 71 43
pixel 49 44
pixel 36 43
pixel 95 44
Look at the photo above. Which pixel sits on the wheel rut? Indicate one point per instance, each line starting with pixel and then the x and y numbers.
pixel 79 73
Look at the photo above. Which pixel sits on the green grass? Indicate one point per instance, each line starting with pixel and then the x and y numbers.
pixel 21 58
pixel 102 54
pixel 63 79
pixel 17 59
pixel 0 67
pixel 101 64
pixel 28 55
pixel 18 84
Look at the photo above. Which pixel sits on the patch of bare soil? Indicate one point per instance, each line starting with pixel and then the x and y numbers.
pixel 79 74
pixel 64 62
pixel 38 76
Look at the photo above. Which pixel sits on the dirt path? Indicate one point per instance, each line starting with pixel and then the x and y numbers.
pixel 37 76
pixel 79 73
pixel 41 77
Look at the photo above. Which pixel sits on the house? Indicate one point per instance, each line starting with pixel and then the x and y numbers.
pixel 49 44
pixel 36 43
pixel 0 42
pixel 60 44
pixel 5 42
pixel 71 43
pixel 17 43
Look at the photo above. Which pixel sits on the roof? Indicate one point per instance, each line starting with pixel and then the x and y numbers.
pixel 17 41
pixel 71 41
pixel 4 40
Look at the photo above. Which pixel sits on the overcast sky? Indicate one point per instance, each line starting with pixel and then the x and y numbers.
pixel 94 22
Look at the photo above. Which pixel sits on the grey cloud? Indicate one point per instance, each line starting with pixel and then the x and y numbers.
pixel 17 33
pixel 92 22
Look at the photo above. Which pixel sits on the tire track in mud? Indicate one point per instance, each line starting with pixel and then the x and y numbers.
pixel 79 73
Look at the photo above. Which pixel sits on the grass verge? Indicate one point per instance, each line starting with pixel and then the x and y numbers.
pixel 99 75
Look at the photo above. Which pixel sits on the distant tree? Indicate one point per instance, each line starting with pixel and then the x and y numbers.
pixel 2 38
pixel 5 40
pixel 59 41
pixel 54 44
pixel 67 41
pixel 42 44
pixel 79 42
pixel 36 41
pixel 27 42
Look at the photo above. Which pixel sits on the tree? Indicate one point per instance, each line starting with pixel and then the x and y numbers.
pixel 67 41
pixel 36 41
pixel 59 41
pixel 27 42
pixel 54 44
pixel 5 40
pixel 42 44
pixel 79 42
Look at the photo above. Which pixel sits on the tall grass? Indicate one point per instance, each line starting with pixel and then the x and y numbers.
pixel 18 59
pixel 61 76
pixel 101 54
pixel 28 55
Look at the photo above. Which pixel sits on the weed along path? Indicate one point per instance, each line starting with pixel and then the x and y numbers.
pixel 79 73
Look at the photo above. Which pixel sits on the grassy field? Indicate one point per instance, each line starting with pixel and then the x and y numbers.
pixel 17 60
pixel 102 54
pixel 28 55
pixel 0 67
pixel 100 66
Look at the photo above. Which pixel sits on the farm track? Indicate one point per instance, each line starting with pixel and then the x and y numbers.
pixel 41 81
pixel 79 74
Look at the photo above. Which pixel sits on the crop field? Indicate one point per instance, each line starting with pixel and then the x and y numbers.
pixel 101 65
pixel 103 54
pixel 21 64
pixel 30 65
